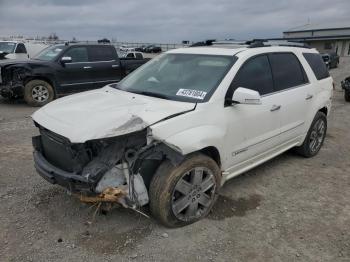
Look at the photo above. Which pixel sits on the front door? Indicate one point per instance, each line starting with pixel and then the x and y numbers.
pixel 254 129
pixel 76 75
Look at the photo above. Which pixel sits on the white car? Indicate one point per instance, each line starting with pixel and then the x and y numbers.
pixel 13 50
pixel 18 50
pixel 174 131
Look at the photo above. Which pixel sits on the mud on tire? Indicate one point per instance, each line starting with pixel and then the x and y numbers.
pixel 183 194
pixel 38 93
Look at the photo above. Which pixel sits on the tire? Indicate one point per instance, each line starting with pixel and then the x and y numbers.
pixel 315 136
pixel 184 182
pixel 347 95
pixel 38 93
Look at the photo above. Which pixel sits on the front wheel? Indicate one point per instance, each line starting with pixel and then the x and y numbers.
pixel 38 93
pixel 183 194
pixel 315 136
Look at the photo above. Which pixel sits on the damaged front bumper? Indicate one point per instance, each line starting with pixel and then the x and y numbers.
pixel 9 91
pixel 54 175
pixel 116 169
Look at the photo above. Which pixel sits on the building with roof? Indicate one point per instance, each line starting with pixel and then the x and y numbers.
pixel 331 37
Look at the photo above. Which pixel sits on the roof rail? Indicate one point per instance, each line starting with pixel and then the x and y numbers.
pixel 265 42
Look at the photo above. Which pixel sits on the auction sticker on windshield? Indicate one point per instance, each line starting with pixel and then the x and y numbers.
pixel 191 93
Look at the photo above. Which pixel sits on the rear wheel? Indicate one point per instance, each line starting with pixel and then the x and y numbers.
pixel 38 93
pixel 183 194
pixel 315 136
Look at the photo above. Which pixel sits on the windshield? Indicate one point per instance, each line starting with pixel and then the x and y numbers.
pixel 7 47
pixel 50 53
pixel 181 77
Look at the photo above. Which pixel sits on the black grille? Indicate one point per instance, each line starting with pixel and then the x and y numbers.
pixel 58 151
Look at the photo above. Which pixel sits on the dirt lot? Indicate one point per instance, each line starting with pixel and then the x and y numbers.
pixel 289 209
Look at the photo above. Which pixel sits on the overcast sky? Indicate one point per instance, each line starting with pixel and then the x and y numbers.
pixel 164 21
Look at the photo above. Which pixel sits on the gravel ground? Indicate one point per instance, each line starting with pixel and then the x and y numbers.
pixel 289 209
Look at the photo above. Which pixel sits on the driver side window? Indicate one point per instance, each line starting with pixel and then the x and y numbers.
pixel 78 54
pixel 255 74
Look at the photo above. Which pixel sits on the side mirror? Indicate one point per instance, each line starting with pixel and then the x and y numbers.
pixel 246 96
pixel 66 59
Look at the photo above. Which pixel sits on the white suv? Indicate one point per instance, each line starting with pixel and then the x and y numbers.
pixel 172 132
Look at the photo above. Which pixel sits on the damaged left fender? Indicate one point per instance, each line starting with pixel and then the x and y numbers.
pixel 200 137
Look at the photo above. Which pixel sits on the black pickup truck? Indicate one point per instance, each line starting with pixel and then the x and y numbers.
pixel 63 69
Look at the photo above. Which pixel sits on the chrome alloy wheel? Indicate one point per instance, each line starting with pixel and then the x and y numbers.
pixel 40 93
pixel 317 135
pixel 193 194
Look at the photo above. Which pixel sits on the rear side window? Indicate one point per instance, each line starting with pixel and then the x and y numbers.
pixel 287 71
pixel 101 53
pixel 138 56
pixel 256 75
pixel 317 65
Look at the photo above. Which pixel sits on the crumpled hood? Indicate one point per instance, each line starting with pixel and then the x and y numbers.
pixel 103 113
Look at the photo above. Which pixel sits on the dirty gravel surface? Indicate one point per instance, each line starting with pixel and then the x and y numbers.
pixel 289 209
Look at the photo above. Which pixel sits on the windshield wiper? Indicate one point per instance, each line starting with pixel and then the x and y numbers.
pixel 148 93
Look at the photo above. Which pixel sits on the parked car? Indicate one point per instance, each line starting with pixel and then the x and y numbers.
pixel 140 48
pixel 345 84
pixel 152 49
pixel 63 69
pixel 104 41
pixel 13 50
pixel 132 55
pixel 331 59
pixel 173 132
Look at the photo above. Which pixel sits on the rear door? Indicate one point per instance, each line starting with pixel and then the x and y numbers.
pixel 293 93
pixel 104 65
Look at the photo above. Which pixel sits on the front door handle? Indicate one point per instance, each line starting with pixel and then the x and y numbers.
pixel 114 66
pixel 275 108
pixel 87 67
pixel 308 97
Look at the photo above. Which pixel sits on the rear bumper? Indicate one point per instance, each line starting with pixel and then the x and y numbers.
pixel 54 175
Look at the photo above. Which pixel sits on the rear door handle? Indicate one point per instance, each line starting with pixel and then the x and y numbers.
pixel 114 66
pixel 87 67
pixel 275 108
pixel 308 97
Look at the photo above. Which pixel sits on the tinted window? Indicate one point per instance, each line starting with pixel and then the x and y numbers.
pixel 287 71
pixel 21 49
pixel 138 56
pixel 317 65
pixel 130 55
pixel 254 74
pixel 78 54
pixel 101 53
